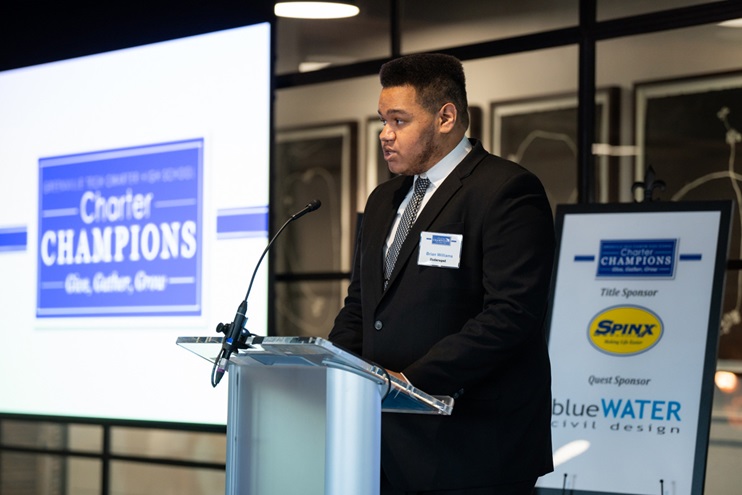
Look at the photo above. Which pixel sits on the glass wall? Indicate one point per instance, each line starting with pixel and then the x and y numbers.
pixel 142 460
pixel 309 44
pixel 610 9
pixel 437 24
pixel 315 121
pixel 524 107
pixel 682 116
pixel 425 25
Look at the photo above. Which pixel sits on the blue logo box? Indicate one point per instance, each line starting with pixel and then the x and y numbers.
pixel 637 258
pixel 120 232
pixel 443 240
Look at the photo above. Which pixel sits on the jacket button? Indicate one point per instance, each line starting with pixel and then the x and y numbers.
pixel 378 325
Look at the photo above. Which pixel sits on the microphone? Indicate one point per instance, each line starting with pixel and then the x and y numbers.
pixel 236 333
pixel 310 207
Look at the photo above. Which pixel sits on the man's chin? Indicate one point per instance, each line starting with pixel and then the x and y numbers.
pixel 396 168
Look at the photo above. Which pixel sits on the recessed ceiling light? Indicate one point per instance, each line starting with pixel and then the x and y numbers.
pixel 315 10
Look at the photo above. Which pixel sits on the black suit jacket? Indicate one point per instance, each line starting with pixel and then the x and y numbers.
pixel 475 333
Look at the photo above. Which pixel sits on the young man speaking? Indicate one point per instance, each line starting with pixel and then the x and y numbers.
pixel 449 291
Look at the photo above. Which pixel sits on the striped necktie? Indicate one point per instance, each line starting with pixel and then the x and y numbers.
pixel 405 224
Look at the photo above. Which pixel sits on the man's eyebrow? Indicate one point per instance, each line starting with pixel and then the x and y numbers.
pixel 394 111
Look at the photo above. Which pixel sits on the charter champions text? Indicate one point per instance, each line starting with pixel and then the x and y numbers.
pixel 106 244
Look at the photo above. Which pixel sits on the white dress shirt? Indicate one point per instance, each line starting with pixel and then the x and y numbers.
pixel 436 174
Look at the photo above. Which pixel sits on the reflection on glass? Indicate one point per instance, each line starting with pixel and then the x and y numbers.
pixel 317 162
pixel 308 308
pixel 434 24
pixel 610 9
pixel 150 479
pixel 311 44
pixel 541 134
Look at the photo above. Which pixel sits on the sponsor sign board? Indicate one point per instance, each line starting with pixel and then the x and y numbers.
pixel 632 338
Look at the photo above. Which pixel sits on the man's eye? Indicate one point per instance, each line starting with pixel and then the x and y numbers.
pixel 398 121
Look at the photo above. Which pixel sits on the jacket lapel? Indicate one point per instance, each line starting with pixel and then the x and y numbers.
pixel 432 209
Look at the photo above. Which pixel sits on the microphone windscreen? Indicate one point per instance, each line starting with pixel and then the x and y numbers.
pixel 313 205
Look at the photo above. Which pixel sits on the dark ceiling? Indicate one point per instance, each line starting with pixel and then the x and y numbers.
pixel 33 31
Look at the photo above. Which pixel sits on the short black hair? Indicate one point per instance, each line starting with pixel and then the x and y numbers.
pixel 437 78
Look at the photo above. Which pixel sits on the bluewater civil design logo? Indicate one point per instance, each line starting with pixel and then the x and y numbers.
pixel 120 232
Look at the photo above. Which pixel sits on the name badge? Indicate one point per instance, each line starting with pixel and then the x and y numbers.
pixel 442 250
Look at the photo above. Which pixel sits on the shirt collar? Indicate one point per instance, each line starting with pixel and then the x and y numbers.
pixel 438 172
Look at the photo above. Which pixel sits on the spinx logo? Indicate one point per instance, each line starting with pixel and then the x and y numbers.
pixel 625 330
pixel 609 327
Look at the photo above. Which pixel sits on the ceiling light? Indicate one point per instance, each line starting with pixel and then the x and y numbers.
pixel 316 10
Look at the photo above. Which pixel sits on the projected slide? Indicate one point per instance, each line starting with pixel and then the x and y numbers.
pixel 140 218
pixel 133 208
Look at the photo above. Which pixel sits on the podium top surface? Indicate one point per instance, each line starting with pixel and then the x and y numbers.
pixel 315 351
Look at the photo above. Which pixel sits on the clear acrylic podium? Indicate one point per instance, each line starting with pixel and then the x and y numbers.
pixel 304 416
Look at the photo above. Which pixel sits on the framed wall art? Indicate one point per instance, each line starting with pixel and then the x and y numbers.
pixel 377 170
pixel 541 134
pixel 688 132
pixel 314 254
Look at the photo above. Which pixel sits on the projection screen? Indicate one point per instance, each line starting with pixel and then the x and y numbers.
pixel 133 208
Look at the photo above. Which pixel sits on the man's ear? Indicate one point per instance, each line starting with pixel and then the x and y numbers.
pixel 447 117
